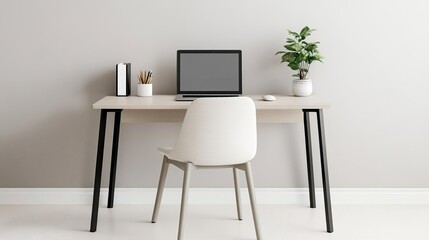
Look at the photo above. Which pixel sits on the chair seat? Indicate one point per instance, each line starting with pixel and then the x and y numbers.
pixel 165 150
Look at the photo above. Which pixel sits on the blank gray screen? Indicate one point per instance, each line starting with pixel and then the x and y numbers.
pixel 209 72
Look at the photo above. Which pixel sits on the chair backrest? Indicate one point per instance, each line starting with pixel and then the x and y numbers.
pixel 217 131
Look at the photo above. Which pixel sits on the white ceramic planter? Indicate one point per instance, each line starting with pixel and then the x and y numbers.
pixel 144 90
pixel 302 88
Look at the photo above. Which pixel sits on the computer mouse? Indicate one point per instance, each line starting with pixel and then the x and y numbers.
pixel 268 98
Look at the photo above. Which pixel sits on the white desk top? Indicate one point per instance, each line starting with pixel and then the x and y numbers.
pixel 168 102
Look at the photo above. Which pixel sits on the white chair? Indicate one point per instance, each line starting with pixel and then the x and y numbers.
pixel 216 133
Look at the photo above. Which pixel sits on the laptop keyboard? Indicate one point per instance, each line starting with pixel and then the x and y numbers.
pixel 201 95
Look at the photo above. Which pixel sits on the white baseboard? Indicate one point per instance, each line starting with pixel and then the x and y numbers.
pixel 215 196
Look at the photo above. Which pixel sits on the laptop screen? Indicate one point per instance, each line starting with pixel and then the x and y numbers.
pixel 209 71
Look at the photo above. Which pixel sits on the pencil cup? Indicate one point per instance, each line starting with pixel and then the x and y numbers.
pixel 144 90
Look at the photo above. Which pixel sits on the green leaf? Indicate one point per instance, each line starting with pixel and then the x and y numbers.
pixel 289 57
pixel 314 58
pixel 318 58
pixel 296 35
pixel 293 66
pixel 304 52
pixel 299 58
pixel 311 47
pixel 279 52
pixel 293 47
pixel 311 59
pixel 306 30
pixel 306 55
pixel 290 40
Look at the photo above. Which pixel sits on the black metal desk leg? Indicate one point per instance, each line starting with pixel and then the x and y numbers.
pixel 325 175
pixel 98 168
pixel 115 144
pixel 309 153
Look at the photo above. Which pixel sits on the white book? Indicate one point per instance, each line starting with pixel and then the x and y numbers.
pixel 122 79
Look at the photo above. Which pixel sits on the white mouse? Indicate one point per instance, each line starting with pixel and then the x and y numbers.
pixel 268 98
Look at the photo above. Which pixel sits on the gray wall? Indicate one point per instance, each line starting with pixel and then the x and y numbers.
pixel 58 57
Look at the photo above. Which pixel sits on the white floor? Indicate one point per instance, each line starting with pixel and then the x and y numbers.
pixel 363 222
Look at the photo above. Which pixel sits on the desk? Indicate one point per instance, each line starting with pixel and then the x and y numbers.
pixel 163 108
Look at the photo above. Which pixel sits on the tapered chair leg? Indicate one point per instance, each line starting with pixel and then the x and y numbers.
pixel 160 190
pixel 237 193
pixel 250 187
pixel 185 190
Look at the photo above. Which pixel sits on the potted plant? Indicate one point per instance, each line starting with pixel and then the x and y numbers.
pixel 299 55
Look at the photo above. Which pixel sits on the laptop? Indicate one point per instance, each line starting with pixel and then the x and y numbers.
pixel 208 73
